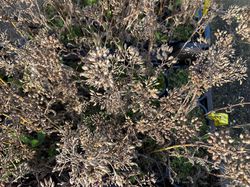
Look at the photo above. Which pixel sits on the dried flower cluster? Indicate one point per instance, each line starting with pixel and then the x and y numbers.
pixel 216 64
pixel 232 155
pixel 79 99
pixel 242 17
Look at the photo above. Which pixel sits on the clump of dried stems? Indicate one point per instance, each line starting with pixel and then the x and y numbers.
pixel 102 110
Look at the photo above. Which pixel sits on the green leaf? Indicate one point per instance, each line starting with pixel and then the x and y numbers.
pixel 109 14
pixel 89 2
pixel 25 139
pixel 160 37
pixel 34 143
pixel 178 2
pixel 132 179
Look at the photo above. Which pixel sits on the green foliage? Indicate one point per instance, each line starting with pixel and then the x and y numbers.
pixel 183 32
pixel 156 103
pixel 12 81
pixel 177 78
pixel 54 20
pixel 109 14
pixel 57 22
pixel 161 37
pixel 33 142
pixel 132 179
pixel 71 33
pixel 50 11
pixel 84 3
pixel 182 167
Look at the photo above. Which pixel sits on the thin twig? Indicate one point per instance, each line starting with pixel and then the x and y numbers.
pixel 243 125
pixel 229 107
pixel 187 145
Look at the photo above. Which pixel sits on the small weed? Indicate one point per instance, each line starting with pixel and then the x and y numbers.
pixel 109 14
pixel 54 20
pixel 182 167
pixel 89 2
pixel 33 142
pixel 161 37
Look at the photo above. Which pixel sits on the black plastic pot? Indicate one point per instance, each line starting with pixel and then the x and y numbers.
pixel 205 102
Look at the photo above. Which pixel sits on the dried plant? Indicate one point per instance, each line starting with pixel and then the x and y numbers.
pixel 233 156
pixel 218 65
pixel 241 15
pixel 47 183
pixel 81 73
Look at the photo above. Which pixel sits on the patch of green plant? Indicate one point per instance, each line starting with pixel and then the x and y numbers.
pixel 6 175
pixel 161 37
pixel 149 143
pixel 11 80
pixel 133 180
pixel 89 2
pixel 33 142
pixel 54 20
pixel 2 73
pixel 89 123
pixel 74 31
pixel 177 78
pixel 57 22
pixel 178 2
pixel 50 11
pixel 71 33
pixel 182 167
pixel 87 116
pixel 109 15
pixel 84 3
pixel 183 32
pixel 148 160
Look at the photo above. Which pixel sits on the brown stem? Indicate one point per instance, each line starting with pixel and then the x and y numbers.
pixel 229 107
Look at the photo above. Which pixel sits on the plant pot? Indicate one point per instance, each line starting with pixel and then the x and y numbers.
pixel 205 102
